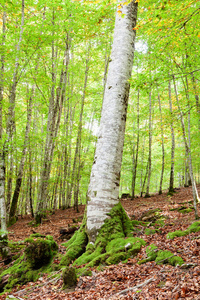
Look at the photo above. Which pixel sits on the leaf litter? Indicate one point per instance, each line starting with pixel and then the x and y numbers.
pixel 126 280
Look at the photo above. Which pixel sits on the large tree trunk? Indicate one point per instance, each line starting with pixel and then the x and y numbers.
pixel 103 189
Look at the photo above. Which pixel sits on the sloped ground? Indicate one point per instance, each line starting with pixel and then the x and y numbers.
pixel 130 280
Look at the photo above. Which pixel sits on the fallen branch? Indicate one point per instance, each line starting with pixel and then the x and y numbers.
pixel 49 280
pixel 135 287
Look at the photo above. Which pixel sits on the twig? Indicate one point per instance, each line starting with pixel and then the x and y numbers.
pixel 49 280
pixel 135 287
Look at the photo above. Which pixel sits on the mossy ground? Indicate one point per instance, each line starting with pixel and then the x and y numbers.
pixel 114 243
pixel 194 227
pixel 35 260
pixel 161 256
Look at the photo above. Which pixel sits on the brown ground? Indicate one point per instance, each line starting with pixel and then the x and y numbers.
pixel 152 281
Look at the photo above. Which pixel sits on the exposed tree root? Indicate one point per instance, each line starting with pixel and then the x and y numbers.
pixel 114 242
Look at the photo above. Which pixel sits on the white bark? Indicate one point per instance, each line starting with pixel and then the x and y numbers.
pixel 105 175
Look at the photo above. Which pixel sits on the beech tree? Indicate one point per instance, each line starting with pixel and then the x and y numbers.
pixel 106 222
pixel 103 189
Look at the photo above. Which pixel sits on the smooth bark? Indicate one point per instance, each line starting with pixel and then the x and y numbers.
pixel 103 189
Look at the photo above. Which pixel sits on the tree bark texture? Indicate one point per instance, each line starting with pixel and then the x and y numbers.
pixel 103 189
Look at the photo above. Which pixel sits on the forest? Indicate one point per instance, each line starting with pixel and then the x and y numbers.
pixel 57 62
pixel 54 61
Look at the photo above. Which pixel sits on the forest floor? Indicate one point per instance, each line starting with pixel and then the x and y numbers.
pixel 128 280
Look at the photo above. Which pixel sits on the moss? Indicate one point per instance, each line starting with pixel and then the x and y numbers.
pixel 177 233
pixel 116 258
pixel 194 227
pixel 141 223
pixel 124 245
pixel 75 247
pixel 160 222
pixel 161 256
pixel 186 210
pixel 151 251
pixel 114 242
pixel 89 256
pixel 149 231
pixel 36 259
pixel 166 256
pixel 83 272
pixel 69 277
pixel 40 250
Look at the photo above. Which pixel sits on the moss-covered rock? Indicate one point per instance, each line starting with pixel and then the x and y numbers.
pixel 31 264
pixel 40 250
pixel 69 278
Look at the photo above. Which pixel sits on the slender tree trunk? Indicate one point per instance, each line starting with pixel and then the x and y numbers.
pixel 196 98
pixel 187 149
pixel 15 198
pixel 30 183
pixel 150 144
pixel 135 155
pixel 77 164
pixel 171 180
pixel 54 116
pixel 163 147
pixel 142 163
pixel 103 189
pixel 144 181
pixel 10 128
